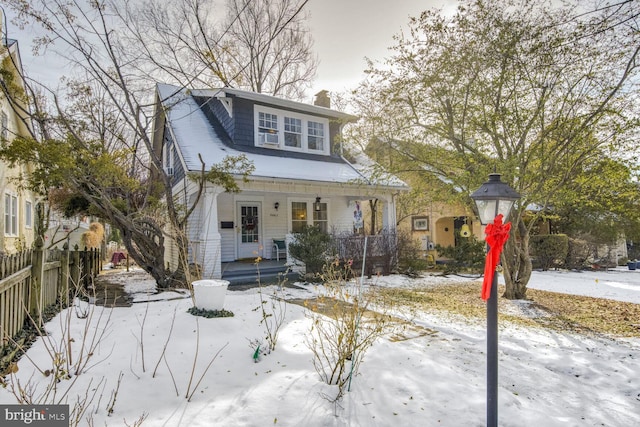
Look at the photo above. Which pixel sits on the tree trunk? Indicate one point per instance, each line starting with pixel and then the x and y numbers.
pixel 145 244
pixel 517 262
pixel 373 207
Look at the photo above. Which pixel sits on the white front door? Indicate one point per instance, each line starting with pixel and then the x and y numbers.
pixel 249 230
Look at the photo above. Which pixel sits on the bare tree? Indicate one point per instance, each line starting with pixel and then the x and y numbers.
pixel 260 45
pixel 97 141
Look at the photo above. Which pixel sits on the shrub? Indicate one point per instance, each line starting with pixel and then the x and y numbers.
pixel 381 251
pixel 578 252
pixel 344 327
pixel 549 250
pixel 468 255
pixel 410 255
pixel 310 247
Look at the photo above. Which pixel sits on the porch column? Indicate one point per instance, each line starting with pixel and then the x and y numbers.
pixel 209 256
pixel 389 213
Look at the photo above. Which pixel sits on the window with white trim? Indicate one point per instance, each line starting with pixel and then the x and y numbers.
pixel 268 128
pixel 315 132
pixel 10 215
pixel 287 130
pixel 298 216
pixel 28 214
pixel 320 216
pixel 167 159
pixel 305 213
pixel 292 132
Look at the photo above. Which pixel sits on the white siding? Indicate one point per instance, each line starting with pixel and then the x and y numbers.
pixel 226 212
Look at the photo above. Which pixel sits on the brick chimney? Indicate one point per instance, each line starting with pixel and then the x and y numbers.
pixel 322 99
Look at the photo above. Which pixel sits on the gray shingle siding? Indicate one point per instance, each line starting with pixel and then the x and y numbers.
pixel 243 115
pixel 238 131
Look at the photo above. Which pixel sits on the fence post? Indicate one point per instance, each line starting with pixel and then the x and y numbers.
pixel 75 268
pixel 97 263
pixel 64 274
pixel 86 268
pixel 37 275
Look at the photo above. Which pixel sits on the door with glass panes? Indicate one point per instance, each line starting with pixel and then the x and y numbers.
pixel 249 230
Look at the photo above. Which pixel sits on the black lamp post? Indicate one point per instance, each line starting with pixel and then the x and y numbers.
pixel 492 198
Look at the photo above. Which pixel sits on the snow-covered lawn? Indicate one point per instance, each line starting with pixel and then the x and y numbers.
pixel 546 378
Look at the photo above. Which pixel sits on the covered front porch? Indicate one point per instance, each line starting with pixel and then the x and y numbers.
pixel 231 230
pixel 369 255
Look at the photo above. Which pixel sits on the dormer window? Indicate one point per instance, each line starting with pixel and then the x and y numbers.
pixel 316 135
pixel 268 128
pixel 287 130
pixel 292 132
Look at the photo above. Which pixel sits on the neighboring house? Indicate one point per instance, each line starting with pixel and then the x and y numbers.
pixel 300 176
pixel 442 224
pixel 17 208
pixel 66 230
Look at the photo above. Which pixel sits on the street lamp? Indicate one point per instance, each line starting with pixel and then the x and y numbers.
pixel 494 197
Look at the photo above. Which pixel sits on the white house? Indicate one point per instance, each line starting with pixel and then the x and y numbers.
pixel 300 176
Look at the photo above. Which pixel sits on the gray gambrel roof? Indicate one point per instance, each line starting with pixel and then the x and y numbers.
pixel 195 136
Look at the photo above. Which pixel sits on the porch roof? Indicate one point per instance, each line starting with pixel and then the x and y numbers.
pixel 195 137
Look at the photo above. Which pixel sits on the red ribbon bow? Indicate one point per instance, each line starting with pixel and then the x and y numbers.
pixel 497 234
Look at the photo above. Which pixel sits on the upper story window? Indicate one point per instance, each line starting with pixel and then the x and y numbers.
pixel 292 132
pixel 267 128
pixel 316 135
pixel 286 130
pixel 167 159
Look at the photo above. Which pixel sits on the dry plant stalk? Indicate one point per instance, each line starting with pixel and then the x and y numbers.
pixel 68 357
pixel 273 308
pixel 343 327
pixel 190 391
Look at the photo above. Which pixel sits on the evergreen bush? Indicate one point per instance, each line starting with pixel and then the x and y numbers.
pixel 468 255
pixel 549 250
pixel 311 247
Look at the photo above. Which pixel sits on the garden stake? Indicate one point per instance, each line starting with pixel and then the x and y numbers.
pixel 353 353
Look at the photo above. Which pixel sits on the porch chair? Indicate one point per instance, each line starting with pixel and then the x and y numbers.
pixel 279 248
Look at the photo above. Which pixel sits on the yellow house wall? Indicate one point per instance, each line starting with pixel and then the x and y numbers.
pixel 441 224
pixel 10 242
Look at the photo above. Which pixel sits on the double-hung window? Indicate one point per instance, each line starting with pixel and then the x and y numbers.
pixel 315 135
pixel 320 218
pixel 268 128
pixel 305 213
pixel 292 131
pixel 10 215
pixel 298 216
pixel 28 214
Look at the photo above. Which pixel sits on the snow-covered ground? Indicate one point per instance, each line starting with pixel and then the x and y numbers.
pixel 619 283
pixel 546 378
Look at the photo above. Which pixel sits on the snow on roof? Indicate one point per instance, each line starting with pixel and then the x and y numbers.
pixel 196 137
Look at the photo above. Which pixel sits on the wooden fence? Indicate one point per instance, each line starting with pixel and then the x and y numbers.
pixel 34 279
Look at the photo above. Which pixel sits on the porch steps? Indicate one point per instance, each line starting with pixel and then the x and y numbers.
pixel 247 274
